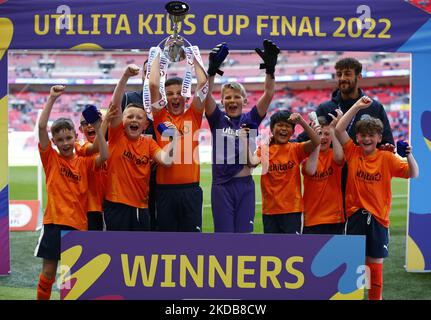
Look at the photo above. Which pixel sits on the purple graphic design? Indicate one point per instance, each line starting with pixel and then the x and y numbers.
pixel 281 250
pixel 4 232
pixel 426 125
pixel 419 229
pixel 314 24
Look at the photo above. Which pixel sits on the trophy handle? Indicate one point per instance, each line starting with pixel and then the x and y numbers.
pixel 163 41
pixel 187 42
pixel 171 36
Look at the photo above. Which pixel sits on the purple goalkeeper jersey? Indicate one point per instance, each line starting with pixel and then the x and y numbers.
pixel 226 151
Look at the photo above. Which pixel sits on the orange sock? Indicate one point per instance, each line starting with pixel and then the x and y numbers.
pixel 376 281
pixel 44 288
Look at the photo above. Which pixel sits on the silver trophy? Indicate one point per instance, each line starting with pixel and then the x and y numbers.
pixel 173 48
pixel 174 44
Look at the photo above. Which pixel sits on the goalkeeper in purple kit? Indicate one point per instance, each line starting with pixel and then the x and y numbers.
pixel 233 191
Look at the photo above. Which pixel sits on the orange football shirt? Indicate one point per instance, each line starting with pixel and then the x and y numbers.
pixel 323 199
pixel 186 168
pixel 96 181
pixel 369 181
pixel 281 185
pixel 66 187
pixel 128 176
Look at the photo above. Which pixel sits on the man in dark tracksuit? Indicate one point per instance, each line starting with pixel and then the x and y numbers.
pixel 376 110
pixel 348 72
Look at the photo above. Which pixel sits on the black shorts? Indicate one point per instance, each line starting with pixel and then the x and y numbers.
pixel 49 243
pixel 326 228
pixel 95 221
pixel 377 236
pixel 282 223
pixel 179 207
pixel 121 217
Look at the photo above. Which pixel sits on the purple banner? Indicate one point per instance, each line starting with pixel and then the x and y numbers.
pixel 152 265
pixel 348 25
pixel 4 233
pixel 4 169
pixel 418 244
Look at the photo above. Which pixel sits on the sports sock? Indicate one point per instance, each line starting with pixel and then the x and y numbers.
pixel 44 287
pixel 376 281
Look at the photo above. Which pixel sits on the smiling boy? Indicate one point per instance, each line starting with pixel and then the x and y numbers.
pixel 67 176
pixel 368 190
pixel 128 178
pixel 233 190
pixel 281 173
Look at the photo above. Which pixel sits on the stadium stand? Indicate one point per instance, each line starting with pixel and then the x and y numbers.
pixel 27 96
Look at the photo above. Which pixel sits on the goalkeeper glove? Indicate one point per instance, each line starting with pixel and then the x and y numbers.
pixel 269 56
pixel 216 58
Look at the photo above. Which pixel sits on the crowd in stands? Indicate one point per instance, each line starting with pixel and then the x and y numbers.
pixel 109 65
pixel 24 106
pixel 395 100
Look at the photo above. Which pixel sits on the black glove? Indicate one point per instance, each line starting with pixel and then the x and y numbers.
pixel 269 56
pixel 216 58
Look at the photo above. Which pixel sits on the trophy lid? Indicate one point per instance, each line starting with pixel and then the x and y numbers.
pixel 177 8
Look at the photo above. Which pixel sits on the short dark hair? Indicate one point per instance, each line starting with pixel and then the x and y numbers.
pixel 280 116
pixel 62 124
pixel 349 63
pixel 174 80
pixel 135 105
pixel 323 121
pixel 369 125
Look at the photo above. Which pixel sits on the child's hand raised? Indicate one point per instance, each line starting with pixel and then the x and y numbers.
pixel 112 112
pixel 387 147
pixel 316 127
pixel 335 119
pixel 56 90
pixel 296 118
pixel 131 70
pixel 363 102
